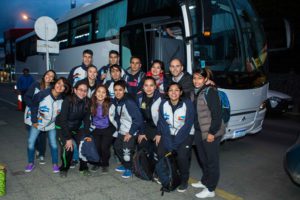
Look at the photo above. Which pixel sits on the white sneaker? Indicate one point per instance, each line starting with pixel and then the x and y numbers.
pixel 205 193
pixel 42 160
pixel 198 185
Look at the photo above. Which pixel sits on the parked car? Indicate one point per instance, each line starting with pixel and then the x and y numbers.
pixel 278 102
pixel 291 162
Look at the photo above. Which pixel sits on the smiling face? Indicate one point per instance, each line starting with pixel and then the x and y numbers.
pixel 101 94
pixel 175 68
pixel 119 92
pixel 156 69
pixel 59 87
pixel 92 73
pixel 174 93
pixel 149 87
pixel 81 91
pixel 198 80
pixel 87 59
pixel 49 77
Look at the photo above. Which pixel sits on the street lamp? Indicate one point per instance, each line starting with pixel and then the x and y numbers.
pixel 26 17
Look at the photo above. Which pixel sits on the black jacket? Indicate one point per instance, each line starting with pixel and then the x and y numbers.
pixel 73 115
pixel 186 83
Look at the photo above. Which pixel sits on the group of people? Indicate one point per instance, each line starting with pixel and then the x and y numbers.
pixel 130 110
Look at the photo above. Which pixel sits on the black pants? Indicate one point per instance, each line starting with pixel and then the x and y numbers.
pixel 183 157
pixel 67 156
pixel 125 150
pixel 208 153
pixel 103 140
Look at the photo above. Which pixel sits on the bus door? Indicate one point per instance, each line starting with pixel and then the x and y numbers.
pixel 165 42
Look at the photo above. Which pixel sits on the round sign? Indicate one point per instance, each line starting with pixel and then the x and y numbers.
pixel 45 27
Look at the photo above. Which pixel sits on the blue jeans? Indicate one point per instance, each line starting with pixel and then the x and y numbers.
pixel 33 134
pixel 75 151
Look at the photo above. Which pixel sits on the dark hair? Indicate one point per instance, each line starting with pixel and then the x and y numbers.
pixel 113 52
pixel 105 104
pixel 115 66
pixel 206 73
pixel 162 65
pixel 120 83
pixel 149 78
pixel 88 51
pixel 66 85
pixel 73 96
pixel 178 85
pixel 25 70
pixel 135 57
pixel 92 66
pixel 43 84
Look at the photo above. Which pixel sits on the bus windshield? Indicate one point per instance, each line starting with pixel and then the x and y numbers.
pixel 225 48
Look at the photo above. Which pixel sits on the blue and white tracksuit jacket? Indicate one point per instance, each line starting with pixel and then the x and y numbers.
pixel 157 99
pixel 28 98
pixel 125 115
pixel 176 123
pixel 77 73
pixel 45 109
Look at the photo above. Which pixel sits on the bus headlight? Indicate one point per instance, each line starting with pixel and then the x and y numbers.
pixel 262 106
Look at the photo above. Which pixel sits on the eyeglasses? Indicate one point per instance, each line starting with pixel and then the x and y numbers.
pixel 81 90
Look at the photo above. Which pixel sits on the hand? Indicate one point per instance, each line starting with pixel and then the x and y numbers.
pixel 157 139
pixel 103 76
pixel 210 138
pixel 69 145
pixel 141 137
pixel 209 82
pixel 127 137
pixel 35 125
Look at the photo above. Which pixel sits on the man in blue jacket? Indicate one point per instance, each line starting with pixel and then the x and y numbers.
pixel 23 83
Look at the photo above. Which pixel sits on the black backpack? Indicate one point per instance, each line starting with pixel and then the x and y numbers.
pixel 167 171
pixel 143 165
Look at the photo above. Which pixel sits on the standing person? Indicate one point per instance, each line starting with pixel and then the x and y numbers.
pixel 48 78
pixel 103 132
pixel 23 83
pixel 115 72
pixel 126 117
pixel 157 72
pixel 75 112
pixel 91 80
pixel 181 77
pixel 148 102
pixel 80 72
pixel 176 117
pixel 104 74
pixel 209 128
pixel 44 110
pixel 134 76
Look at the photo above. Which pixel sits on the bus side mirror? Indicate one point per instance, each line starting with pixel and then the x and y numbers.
pixel 279 34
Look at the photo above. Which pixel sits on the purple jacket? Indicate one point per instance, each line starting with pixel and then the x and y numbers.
pixel 99 120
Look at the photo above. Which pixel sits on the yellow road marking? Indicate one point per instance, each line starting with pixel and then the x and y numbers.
pixel 221 193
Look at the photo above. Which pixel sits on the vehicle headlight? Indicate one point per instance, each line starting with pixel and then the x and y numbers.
pixel 262 106
pixel 274 101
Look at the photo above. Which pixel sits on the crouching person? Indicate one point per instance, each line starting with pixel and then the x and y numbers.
pixel 176 119
pixel 126 117
pixel 75 112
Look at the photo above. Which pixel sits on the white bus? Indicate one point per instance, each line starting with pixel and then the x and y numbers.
pixel 223 35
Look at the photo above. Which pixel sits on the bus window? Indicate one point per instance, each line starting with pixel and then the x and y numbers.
pixel 110 19
pixel 81 30
pixel 220 49
pixel 62 35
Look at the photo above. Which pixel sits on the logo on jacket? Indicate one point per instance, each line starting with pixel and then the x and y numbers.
pixel 166 116
pixel 181 118
pixel 44 109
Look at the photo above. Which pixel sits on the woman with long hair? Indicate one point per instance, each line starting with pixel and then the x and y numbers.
pixel 48 78
pixel 103 130
pixel 45 107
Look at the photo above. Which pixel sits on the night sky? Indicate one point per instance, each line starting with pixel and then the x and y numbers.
pixel 10 15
